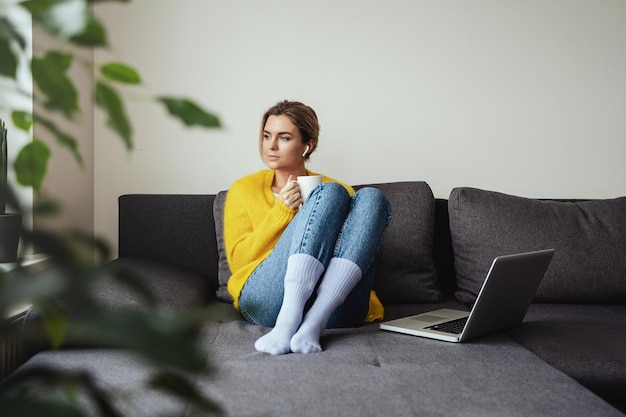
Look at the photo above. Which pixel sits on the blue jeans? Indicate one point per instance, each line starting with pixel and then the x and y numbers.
pixel 330 224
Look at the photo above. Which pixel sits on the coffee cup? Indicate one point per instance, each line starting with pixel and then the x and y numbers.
pixel 307 184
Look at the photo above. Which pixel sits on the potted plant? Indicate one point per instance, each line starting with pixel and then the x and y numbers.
pixel 10 223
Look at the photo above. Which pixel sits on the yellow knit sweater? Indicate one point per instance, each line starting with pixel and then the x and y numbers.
pixel 253 223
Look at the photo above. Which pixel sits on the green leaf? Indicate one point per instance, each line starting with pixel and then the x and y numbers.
pixel 8 32
pixel 60 394
pixel 63 18
pixel 109 101
pixel 55 323
pixel 22 120
pixel 8 61
pixel 189 112
pixel 121 73
pixel 62 138
pixel 31 164
pixel 46 208
pixel 93 35
pixel 49 75
pixel 36 7
pixel 102 1
pixel 34 288
pixel 35 406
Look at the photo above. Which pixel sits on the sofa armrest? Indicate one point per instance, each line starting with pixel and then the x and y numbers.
pixel 173 228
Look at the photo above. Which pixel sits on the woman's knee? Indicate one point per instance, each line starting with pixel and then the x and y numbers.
pixel 375 200
pixel 334 193
pixel 333 189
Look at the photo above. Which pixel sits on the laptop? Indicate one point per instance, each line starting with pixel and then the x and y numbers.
pixel 502 302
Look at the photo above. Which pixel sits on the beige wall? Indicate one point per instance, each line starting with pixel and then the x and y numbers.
pixel 523 97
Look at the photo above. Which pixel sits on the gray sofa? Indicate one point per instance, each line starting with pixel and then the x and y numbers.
pixel 566 359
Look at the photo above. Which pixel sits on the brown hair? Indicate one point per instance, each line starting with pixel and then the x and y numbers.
pixel 302 116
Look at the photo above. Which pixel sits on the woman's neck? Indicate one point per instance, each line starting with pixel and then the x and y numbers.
pixel 281 177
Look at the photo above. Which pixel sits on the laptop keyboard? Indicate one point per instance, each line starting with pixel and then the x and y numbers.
pixel 452 326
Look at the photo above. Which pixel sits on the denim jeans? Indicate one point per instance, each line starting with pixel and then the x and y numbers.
pixel 330 224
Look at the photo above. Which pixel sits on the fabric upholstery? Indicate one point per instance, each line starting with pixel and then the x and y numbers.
pixel 580 340
pixel 362 372
pixel 173 228
pixel 223 271
pixel 589 238
pixel 174 288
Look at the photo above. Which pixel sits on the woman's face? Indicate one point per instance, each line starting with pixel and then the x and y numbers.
pixel 282 146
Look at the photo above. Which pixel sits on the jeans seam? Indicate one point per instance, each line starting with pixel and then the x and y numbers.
pixel 249 317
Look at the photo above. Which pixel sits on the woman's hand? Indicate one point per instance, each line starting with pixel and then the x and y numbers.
pixel 290 194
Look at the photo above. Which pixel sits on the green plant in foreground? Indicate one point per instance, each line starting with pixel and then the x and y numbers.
pixel 65 294
pixel 49 73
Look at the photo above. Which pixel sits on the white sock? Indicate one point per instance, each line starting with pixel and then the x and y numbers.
pixel 340 278
pixel 303 272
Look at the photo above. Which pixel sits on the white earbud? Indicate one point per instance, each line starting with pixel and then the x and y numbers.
pixel 307 150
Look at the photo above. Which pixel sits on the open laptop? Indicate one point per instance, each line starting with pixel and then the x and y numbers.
pixel 502 302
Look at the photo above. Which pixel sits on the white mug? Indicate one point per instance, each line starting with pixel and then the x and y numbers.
pixel 307 184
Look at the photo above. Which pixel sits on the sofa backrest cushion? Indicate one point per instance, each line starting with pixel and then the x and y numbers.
pixel 405 271
pixel 223 270
pixel 173 228
pixel 589 238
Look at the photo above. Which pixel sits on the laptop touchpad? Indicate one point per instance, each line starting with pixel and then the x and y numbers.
pixel 428 318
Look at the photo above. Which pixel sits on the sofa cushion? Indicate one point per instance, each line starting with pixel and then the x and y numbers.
pixel 177 229
pixel 362 372
pixel 174 288
pixel 580 340
pixel 405 271
pixel 589 238
pixel 223 271
pixel 367 372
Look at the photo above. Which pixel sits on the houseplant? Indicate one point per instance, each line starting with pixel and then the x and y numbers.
pixel 63 295
pixel 10 223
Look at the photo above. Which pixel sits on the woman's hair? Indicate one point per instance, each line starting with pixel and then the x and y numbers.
pixel 302 116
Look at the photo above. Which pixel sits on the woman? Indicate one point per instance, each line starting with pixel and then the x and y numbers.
pixel 281 251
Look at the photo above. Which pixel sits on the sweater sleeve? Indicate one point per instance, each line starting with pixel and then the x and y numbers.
pixel 252 227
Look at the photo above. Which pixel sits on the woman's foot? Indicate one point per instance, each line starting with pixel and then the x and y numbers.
pixel 276 342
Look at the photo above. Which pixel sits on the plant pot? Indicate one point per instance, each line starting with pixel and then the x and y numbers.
pixel 10 230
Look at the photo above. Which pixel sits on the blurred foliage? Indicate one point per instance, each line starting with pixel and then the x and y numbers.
pixel 64 294
pixel 74 22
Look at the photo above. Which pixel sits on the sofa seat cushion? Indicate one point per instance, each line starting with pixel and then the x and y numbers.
pixel 584 341
pixel 405 271
pixel 125 378
pixel 589 238
pixel 174 288
pixel 368 372
pixel 362 372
